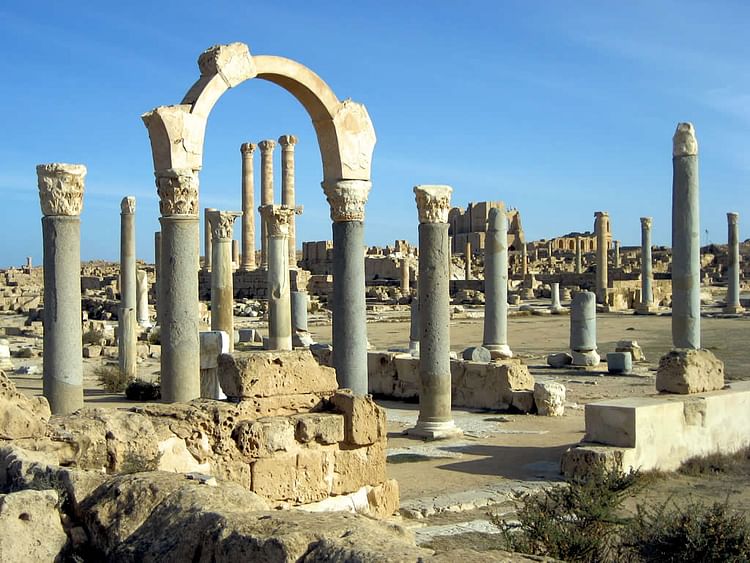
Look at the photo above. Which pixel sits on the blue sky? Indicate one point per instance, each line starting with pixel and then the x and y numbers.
pixel 558 108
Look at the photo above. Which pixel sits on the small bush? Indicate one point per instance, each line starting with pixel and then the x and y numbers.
pixel 140 390
pixel 716 463
pixel 694 532
pixel 111 378
pixel 575 522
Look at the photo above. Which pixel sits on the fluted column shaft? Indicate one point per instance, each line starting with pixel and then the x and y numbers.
pixel 61 198
pixel 248 208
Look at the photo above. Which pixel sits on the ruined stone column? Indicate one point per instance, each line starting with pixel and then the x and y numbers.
pixel 235 254
pixel 496 284
pixel 579 257
pixel 686 299
pixel 414 327
pixel 435 418
pixel 180 344
pixel 583 329
pixel 617 254
pixel 126 336
pixel 207 246
pixel 141 282
pixel 266 193
pixel 157 273
pixel 467 266
pixel 733 265
pixel 248 208
pixel 555 307
pixel 277 219
pixel 647 276
pixel 287 143
pixel 299 301
pixel 524 260
pixel 61 198
pixel 601 223
pixel 222 284
pixel 347 199
pixel 405 280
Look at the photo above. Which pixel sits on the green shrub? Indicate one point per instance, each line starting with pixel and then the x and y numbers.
pixel 716 463
pixel 111 378
pixel 695 532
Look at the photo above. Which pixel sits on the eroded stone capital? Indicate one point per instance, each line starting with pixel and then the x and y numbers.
pixel 267 145
pixel 433 203
pixel 222 223
pixel 347 199
pixel 127 205
pixel 684 142
pixel 287 142
pixel 178 191
pixel 733 217
pixel 248 148
pixel 646 222
pixel 277 218
pixel 61 188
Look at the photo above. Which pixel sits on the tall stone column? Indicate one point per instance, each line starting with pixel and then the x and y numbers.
pixel 617 254
pixel 157 272
pixel 222 284
pixel 647 276
pixel 287 143
pixel 435 418
pixel 686 300
pixel 126 334
pixel 207 243
pixel 524 259
pixel 555 306
pixel 180 344
pixel 579 257
pixel 277 219
pixel 347 199
pixel 266 193
pixel 405 273
pixel 235 254
pixel 467 265
pixel 496 285
pixel 61 198
pixel 142 299
pixel 248 208
pixel 583 329
pixel 733 266
pixel 601 228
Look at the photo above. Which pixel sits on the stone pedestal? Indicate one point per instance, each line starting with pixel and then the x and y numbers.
pixel 733 266
pixel 601 228
pixel 435 418
pixel 647 295
pixel 248 208
pixel 142 299
pixel 222 282
pixel 347 199
pixel 686 300
pixel 61 198
pixel 266 193
pixel 180 346
pixel 583 329
pixel 495 337
pixel 276 218
pixel 128 291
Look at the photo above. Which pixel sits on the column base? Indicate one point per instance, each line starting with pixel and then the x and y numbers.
pixel 499 351
pixel 435 430
pixel 733 310
pixel 587 359
pixel 646 309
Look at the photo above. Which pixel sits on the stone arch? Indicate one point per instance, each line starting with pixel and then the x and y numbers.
pixel 346 139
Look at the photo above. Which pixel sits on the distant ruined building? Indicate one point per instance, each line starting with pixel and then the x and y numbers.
pixel 470 225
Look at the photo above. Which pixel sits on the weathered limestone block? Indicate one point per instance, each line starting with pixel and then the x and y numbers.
pixel 559 360
pixel 30 527
pixel 302 477
pixel 632 347
pixel 488 386
pixel 358 466
pixel 583 460
pixel 264 437
pixel 381 372
pixel 384 499
pixel 549 397
pixel 270 373
pixel 324 428
pixel 364 421
pixel 686 371
pixel 21 416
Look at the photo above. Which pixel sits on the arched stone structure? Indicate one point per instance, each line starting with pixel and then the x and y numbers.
pixel 346 139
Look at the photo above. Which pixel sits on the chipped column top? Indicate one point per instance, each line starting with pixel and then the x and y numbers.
pixel 733 217
pixel 61 188
pixel 646 222
pixel 433 203
pixel 127 205
pixel 684 142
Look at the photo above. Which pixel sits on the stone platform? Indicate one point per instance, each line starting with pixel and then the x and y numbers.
pixel 663 431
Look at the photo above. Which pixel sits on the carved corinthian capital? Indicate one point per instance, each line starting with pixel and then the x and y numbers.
pixel 433 203
pixel 222 223
pixel 61 188
pixel 178 191
pixel 127 205
pixel 277 218
pixel 646 223
pixel 247 148
pixel 684 142
pixel 347 199
pixel 287 142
